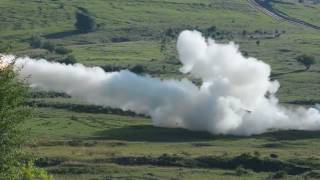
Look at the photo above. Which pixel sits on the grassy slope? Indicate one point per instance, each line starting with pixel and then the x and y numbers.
pixel 95 138
pixel 308 11
pixel 142 23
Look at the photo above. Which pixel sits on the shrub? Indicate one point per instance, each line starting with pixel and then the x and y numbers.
pixel 245 53
pixel 314 174
pixel 273 155
pixel 68 60
pixel 36 41
pixel 46 162
pixel 12 115
pixel 30 172
pixel 84 22
pixel 256 153
pixel 6 46
pixel 210 32
pixel 138 69
pixel 49 46
pixel 279 175
pixel 40 42
pixel 306 60
pixel 244 33
pixel 120 39
pixel 241 171
pixel 171 32
pixel 62 50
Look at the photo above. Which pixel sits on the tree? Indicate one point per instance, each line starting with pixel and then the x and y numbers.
pixel 36 41
pixel 13 113
pixel 70 59
pixel 84 22
pixel 30 172
pixel 306 60
pixel 138 69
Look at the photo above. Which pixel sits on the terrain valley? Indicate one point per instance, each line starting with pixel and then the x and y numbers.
pixel 73 139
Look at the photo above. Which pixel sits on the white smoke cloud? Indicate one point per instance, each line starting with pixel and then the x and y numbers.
pixel 236 95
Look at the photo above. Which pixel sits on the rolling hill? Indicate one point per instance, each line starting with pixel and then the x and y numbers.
pixel 80 141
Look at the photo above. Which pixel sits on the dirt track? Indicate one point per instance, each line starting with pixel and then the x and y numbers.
pixel 268 10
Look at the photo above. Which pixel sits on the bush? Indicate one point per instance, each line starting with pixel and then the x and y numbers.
pixel 314 174
pixel 272 155
pixel 306 60
pixel 68 60
pixel 62 50
pixel 171 32
pixel 84 22
pixel 256 153
pixel 13 113
pixel 245 53
pixel 30 172
pixel 210 32
pixel 46 162
pixel 279 175
pixel 36 41
pixel 40 42
pixel 138 69
pixel 241 171
pixel 6 46
pixel 111 68
pixel 49 46
pixel 120 39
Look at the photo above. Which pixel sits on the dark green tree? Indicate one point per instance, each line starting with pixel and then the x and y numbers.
pixel 70 59
pixel 13 113
pixel 84 22
pixel 306 60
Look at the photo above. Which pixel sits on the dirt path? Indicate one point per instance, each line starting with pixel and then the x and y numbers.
pixel 268 10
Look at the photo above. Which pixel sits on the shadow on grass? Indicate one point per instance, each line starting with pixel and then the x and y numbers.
pixel 149 133
pixel 63 34
pixel 275 75
pixel 290 135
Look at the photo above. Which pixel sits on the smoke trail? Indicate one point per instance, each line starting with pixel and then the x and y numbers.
pixel 236 95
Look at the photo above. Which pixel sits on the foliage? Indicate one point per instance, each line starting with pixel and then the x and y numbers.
pixel 68 60
pixel 12 114
pixel 48 45
pixel 30 172
pixel 138 69
pixel 306 60
pixel 142 25
pixel 241 171
pixel 279 175
pixel 5 46
pixel 315 174
pixel 62 50
pixel 84 22
pixel 36 41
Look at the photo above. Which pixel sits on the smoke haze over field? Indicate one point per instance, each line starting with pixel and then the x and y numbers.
pixel 236 95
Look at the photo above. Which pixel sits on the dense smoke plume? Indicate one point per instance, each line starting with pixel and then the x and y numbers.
pixel 236 95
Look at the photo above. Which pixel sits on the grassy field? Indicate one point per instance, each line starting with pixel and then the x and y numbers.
pixel 79 141
pixel 130 33
pixel 74 145
pixel 309 11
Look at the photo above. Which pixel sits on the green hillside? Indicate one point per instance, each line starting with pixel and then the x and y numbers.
pixel 79 141
pixel 308 11
pixel 130 33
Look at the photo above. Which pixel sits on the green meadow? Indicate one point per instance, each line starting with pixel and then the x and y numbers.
pixel 74 140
